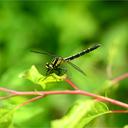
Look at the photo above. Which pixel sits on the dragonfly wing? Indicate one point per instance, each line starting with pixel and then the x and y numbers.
pixel 44 52
pixel 77 68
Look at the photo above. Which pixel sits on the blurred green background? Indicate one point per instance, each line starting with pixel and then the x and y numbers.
pixel 63 28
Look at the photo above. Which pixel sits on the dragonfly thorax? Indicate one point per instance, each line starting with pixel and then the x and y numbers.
pixel 55 63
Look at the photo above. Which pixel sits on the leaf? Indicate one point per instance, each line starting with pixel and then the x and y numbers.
pixel 6 118
pixel 33 75
pixel 126 126
pixel 81 114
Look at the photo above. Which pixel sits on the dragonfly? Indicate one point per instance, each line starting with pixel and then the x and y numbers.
pixel 55 66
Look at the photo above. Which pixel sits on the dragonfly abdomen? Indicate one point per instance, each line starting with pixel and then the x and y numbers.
pixel 82 53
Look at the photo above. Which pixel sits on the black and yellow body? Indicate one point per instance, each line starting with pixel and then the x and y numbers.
pixel 82 53
pixel 54 66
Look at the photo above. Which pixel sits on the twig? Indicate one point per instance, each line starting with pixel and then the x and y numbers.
pixel 30 100
pixel 119 111
pixel 70 83
pixel 6 97
pixel 41 94
pixel 80 92
pixel 117 79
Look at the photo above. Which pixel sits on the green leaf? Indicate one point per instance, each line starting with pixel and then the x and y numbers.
pixel 126 126
pixel 81 114
pixel 33 75
pixel 6 118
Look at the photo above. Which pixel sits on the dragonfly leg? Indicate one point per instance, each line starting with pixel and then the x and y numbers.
pixel 60 71
pixel 48 73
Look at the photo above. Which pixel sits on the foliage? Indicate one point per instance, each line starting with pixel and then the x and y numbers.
pixel 6 116
pixel 81 114
pixel 33 75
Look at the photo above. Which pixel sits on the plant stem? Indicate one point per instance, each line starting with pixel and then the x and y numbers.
pixel 78 92
pixel 30 100
pixel 41 94
pixel 122 77
pixel 71 83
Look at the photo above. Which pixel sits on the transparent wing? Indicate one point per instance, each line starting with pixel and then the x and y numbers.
pixel 44 52
pixel 77 68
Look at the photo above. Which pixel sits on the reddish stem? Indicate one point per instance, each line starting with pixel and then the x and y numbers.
pixel 119 111
pixel 41 94
pixel 80 92
pixel 122 77
pixel 30 100
pixel 70 83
